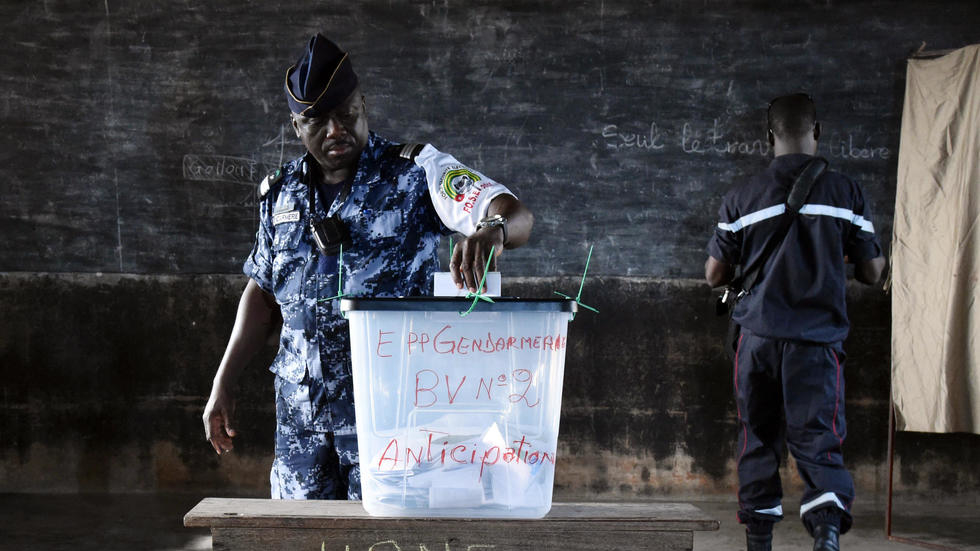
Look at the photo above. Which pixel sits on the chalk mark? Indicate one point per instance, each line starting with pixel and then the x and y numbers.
pixel 119 247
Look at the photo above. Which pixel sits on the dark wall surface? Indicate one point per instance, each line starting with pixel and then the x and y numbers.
pixel 105 385
pixel 133 135
pixel 134 131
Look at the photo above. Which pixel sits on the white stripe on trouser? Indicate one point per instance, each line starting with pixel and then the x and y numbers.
pixel 777 510
pixel 822 499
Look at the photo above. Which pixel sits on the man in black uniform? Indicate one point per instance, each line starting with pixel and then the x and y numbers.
pixel 789 360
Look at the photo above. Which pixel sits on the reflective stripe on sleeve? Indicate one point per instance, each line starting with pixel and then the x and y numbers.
pixel 837 212
pixel 813 210
pixel 749 219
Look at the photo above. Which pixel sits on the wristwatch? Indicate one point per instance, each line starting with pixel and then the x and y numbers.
pixel 492 222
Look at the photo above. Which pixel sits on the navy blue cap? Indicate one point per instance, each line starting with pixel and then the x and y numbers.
pixel 321 80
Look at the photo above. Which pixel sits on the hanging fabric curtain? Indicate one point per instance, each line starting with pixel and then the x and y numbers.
pixel 936 248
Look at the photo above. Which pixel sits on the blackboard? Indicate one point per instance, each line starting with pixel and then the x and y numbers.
pixel 134 132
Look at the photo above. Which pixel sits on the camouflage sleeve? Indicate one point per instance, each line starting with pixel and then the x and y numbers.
pixel 258 265
pixel 460 195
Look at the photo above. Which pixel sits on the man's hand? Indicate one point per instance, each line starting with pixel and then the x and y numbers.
pixel 218 420
pixel 718 273
pixel 870 271
pixel 469 259
pixel 257 319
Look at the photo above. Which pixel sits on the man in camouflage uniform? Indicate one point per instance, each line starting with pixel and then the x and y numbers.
pixel 359 208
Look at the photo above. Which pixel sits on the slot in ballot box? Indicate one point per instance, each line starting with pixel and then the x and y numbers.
pixel 457 415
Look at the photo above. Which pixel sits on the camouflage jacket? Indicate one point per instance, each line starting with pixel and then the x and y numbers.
pixel 395 233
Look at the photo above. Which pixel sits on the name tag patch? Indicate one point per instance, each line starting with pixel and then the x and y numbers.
pixel 283 217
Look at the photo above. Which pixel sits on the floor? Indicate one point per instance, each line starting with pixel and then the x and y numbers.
pixel 958 527
pixel 154 523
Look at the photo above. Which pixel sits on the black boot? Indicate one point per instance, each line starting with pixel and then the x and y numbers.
pixel 758 542
pixel 825 538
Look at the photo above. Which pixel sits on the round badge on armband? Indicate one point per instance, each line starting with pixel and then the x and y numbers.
pixel 492 222
pixel 457 180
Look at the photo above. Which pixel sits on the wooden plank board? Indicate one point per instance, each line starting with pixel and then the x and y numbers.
pixel 460 538
pixel 349 515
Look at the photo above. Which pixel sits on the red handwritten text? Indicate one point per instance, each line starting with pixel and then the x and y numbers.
pixel 445 341
pixel 427 381
pixel 472 453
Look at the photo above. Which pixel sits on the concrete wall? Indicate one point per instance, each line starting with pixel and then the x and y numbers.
pixel 104 379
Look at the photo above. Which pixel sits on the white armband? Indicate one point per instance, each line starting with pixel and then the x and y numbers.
pixel 460 194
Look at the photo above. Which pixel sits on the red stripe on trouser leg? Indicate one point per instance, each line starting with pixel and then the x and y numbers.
pixel 840 441
pixel 738 411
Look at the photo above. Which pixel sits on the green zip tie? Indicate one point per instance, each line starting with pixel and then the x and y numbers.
pixel 340 278
pixel 578 298
pixel 478 295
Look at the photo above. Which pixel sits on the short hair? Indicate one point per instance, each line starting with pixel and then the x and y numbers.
pixel 792 116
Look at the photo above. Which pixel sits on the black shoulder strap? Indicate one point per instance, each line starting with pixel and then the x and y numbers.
pixel 271 180
pixel 794 202
pixel 804 183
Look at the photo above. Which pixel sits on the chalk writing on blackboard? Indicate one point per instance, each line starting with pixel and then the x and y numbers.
pixel 845 146
pixel 619 139
pixel 690 139
pixel 716 139
pixel 220 168
pixel 392 545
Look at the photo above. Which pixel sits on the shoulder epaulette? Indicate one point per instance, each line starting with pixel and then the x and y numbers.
pixel 407 151
pixel 271 180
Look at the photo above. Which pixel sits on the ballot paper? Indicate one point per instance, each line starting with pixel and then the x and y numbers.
pixel 444 286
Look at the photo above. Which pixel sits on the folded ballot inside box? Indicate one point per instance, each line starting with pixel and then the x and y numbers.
pixel 457 415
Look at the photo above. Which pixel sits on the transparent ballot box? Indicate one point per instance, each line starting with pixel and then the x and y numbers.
pixel 457 415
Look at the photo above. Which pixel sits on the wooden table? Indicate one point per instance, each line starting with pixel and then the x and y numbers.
pixel 266 524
